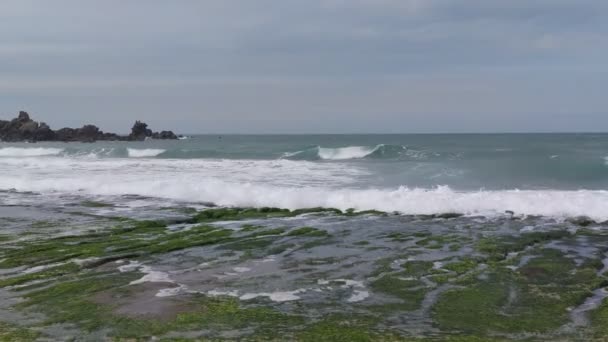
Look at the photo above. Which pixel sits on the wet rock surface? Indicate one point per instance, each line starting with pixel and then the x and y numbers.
pixel 102 272
pixel 23 128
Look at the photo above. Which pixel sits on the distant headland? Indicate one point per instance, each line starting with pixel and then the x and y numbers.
pixel 23 128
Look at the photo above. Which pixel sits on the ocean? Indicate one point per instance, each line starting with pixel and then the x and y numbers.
pixel 553 175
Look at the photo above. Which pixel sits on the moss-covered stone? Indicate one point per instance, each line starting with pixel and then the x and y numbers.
pixel 95 204
pixel 13 333
pixel 497 248
pixel 533 299
pixel 307 231
pixel 42 275
pixel 410 292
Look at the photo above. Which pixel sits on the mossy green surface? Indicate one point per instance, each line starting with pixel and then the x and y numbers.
pixel 307 231
pixel 410 292
pixel 95 204
pixel 235 214
pixel 53 272
pixel 497 248
pixel 462 266
pixel 13 333
pixel 486 289
pixel 142 238
pixel 72 302
pixel 534 299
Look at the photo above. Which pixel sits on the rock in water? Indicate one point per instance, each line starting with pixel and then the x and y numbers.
pixel 23 128
pixel 140 131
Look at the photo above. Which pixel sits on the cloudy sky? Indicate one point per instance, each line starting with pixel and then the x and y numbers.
pixel 296 66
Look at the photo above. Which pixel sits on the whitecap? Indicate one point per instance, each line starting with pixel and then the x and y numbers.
pixel 344 153
pixel 29 151
pixel 144 153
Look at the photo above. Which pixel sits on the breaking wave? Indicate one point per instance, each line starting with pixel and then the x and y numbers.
pixel 347 153
pixel 144 153
pixel 29 151
pixel 294 185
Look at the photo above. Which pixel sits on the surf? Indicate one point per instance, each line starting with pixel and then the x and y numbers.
pixel 347 153
pixel 17 152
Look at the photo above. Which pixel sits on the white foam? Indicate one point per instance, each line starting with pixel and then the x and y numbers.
pixel 217 293
pixel 82 262
pixel 344 153
pixel 144 153
pixel 274 296
pixel 171 292
pixel 358 296
pixel 130 267
pixel 280 183
pixel 37 269
pixel 29 151
pixel 151 276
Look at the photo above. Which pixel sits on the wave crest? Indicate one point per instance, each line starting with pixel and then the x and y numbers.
pixel 144 153
pixel 344 153
pixel 347 153
pixel 29 151
pixel 411 201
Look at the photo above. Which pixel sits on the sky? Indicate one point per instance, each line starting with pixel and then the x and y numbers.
pixel 308 66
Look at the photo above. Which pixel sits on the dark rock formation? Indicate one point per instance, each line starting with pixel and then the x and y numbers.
pixel 23 128
pixel 140 131
pixel 164 135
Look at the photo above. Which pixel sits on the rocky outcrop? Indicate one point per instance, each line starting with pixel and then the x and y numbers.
pixel 23 128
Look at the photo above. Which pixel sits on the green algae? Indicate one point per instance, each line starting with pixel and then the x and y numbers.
pixel 410 292
pixel 307 231
pixel 42 275
pixel 72 302
pixel 416 268
pixel 493 299
pixel 235 214
pixel 599 320
pixel 140 238
pixel 497 248
pixel 95 204
pixel 250 227
pixel 13 333
pixel 273 231
pixel 533 299
pixel 462 266
pixel 362 243
pixel 399 236
pixel 339 327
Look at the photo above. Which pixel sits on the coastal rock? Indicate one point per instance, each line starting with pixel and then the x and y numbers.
pixel 44 133
pixel 164 135
pixel 88 133
pixel 140 131
pixel 582 221
pixel 23 128
pixel 23 117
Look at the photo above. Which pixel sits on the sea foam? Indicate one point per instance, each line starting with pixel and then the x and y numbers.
pixel 280 183
pixel 344 153
pixel 553 203
pixel 144 153
pixel 29 151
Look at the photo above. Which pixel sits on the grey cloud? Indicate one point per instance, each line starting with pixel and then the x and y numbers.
pixel 345 61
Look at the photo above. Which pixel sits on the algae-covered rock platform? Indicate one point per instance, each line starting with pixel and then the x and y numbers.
pixel 95 271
